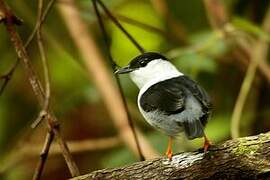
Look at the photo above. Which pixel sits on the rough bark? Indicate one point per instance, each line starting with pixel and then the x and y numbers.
pixel 243 158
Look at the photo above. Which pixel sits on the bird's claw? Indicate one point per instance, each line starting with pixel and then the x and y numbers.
pixel 206 145
pixel 169 154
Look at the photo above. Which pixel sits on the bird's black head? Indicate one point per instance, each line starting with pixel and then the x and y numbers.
pixel 140 61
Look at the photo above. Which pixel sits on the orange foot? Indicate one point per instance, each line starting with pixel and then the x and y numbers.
pixel 169 152
pixel 207 144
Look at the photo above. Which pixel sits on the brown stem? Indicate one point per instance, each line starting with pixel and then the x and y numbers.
pixel 44 60
pixel 176 30
pixel 9 75
pixel 259 54
pixel 106 39
pixel 44 112
pixel 36 85
pixel 150 28
pixel 43 155
pixel 102 78
pixel 219 20
pixel 255 53
pixel 116 22
pixel 216 13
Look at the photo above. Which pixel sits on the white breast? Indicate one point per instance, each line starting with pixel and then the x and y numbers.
pixel 156 71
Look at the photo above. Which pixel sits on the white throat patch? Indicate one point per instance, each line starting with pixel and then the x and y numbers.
pixel 155 71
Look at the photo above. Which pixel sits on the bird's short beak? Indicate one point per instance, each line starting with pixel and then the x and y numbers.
pixel 123 70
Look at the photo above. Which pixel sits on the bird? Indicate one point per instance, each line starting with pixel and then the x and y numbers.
pixel 169 100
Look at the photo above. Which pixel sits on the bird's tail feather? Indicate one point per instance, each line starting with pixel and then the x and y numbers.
pixel 193 128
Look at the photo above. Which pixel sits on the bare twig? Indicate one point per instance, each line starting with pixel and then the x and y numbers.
pixel 149 28
pixel 116 22
pixel 45 108
pixel 9 74
pixel 4 15
pixel 36 85
pixel 106 39
pixel 6 78
pixel 216 14
pixel 174 38
pixel 79 146
pixel 102 77
pixel 43 155
pixel 43 18
pixel 175 28
pixel 44 60
pixel 25 150
pixel 197 48
pixel 259 53
pixel 219 20
pixel 43 113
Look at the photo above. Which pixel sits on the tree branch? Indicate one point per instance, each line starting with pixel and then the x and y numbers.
pixel 243 158
pixel 6 78
pixel 43 155
pixel 44 112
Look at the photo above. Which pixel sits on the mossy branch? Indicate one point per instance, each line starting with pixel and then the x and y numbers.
pixel 242 158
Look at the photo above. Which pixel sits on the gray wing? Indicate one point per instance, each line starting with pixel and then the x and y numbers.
pixel 166 96
pixel 169 97
pixel 195 127
pixel 200 94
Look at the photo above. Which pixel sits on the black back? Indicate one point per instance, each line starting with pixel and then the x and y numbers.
pixel 143 59
pixel 169 96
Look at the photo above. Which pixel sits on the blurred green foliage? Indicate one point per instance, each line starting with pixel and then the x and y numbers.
pixel 121 48
pixel 200 56
pixel 205 56
pixel 250 27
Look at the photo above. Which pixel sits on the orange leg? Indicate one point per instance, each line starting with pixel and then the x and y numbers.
pixel 207 143
pixel 169 152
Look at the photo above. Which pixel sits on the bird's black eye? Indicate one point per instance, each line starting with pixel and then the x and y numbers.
pixel 143 62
